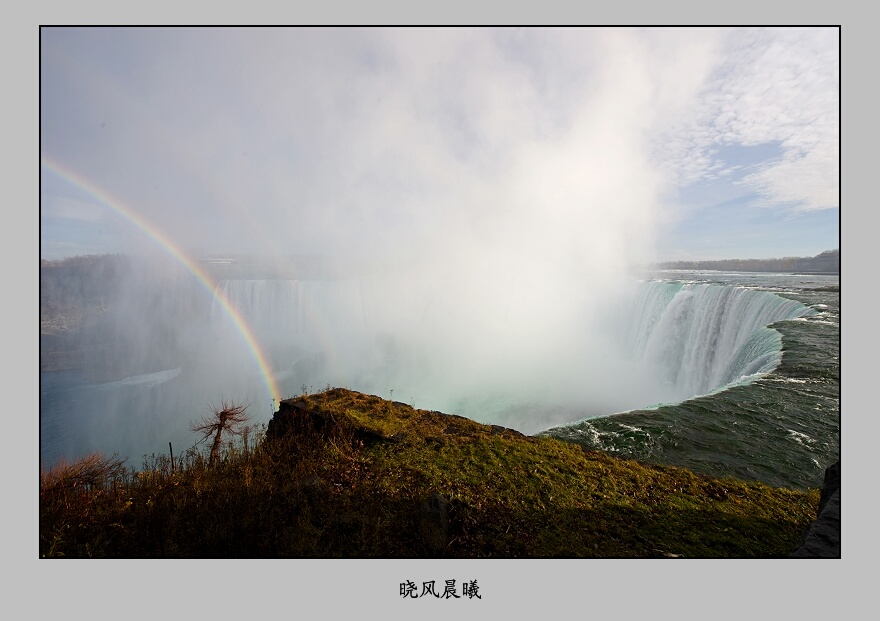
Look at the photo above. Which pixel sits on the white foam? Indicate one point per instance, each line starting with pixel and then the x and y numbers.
pixel 800 438
pixel 147 379
pixel 631 428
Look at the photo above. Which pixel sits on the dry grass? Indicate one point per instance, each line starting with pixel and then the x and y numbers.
pixel 91 472
pixel 342 474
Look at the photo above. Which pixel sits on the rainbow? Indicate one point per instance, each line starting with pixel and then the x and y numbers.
pixel 172 249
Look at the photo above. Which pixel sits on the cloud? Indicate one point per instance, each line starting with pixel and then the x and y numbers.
pixel 290 141
pixel 773 85
pixel 510 176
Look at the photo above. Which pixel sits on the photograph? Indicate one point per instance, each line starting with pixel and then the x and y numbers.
pixel 438 295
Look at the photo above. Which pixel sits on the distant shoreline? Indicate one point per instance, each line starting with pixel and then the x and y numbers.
pixel 825 263
pixel 712 269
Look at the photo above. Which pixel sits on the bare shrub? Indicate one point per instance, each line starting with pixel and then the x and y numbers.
pixel 230 418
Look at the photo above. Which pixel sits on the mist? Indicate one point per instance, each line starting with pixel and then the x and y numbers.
pixel 492 196
pixel 508 208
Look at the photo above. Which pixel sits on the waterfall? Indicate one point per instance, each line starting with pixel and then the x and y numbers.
pixel 702 337
pixel 297 310
pixel 677 341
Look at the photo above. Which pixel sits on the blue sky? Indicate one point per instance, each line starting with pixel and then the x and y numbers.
pixel 594 145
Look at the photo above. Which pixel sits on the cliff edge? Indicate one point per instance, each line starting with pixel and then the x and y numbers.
pixel 822 538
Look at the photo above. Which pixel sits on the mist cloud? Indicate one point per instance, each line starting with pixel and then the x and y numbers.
pixel 509 178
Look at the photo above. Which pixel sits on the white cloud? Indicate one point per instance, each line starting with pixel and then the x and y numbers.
pixel 298 140
pixel 777 85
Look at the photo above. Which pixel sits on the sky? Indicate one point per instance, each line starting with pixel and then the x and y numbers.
pixel 233 140
pixel 588 145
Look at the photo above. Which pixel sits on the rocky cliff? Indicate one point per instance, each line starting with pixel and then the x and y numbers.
pixel 822 539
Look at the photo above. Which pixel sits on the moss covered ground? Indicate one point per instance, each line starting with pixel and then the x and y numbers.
pixel 343 474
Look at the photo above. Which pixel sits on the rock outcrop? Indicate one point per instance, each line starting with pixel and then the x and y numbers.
pixel 365 476
pixel 822 539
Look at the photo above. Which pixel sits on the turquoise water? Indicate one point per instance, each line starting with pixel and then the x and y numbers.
pixel 782 428
pixel 762 350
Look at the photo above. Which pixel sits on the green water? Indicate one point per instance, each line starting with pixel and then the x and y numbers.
pixel 782 429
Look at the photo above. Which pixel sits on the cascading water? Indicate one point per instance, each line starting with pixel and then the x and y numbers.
pixel 679 340
pixel 752 371
pixel 316 332
pixel 703 337
pixel 622 380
